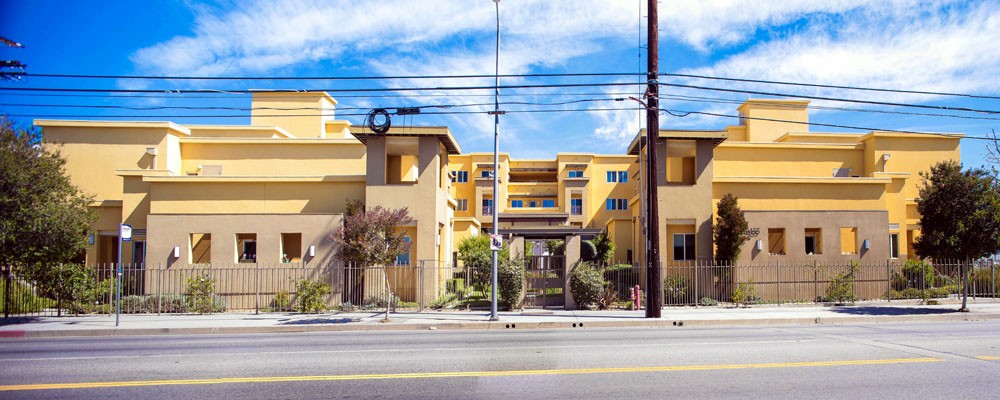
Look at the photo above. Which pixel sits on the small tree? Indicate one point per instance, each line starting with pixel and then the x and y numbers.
pixel 959 216
pixel 475 254
pixel 44 219
pixel 605 247
pixel 729 230
pixel 371 237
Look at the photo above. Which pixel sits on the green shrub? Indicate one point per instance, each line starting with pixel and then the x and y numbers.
pixel 898 281
pixel 624 276
pixel 708 302
pixel 282 301
pixel 23 299
pixel 744 293
pixel 138 304
pixel 586 284
pixel 985 281
pixel 675 289
pixel 510 283
pixel 456 286
pixel 841 288
pixel 919 274
pixel 449 300
pixel 609 296
pixel 173 303
pixel 588 251
pixel 379 301
pixel 200 291
pixel 310 296
pixel 908 293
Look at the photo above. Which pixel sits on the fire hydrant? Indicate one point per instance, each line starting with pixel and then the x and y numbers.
pixel 636 297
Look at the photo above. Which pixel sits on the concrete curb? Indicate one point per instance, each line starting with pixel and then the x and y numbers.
pixel 488 325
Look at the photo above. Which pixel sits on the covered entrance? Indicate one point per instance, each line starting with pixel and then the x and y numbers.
pixel 547 275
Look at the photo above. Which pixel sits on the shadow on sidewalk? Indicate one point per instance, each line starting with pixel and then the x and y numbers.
pixel 320 321
pixel 870 310
pixel 18 320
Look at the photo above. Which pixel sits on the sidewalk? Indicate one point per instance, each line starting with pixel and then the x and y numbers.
pixel 238 323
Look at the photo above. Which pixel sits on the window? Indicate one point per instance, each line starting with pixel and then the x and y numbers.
pixel 576 206
pixel 516 203
pixel 683 246
pixel 404 258
pixel 463 205
pixel 487 206
pixel 776 241
pixel 532 204
pixel 486 173
pixel 894 245
pixel 291 247
pixel 848 240
pixel 246 245
pixel 618 176
pixel 201 248
pixel 628 256
pixel 461 177
pixel 616 204
pixel 576 174
pixel 548 203
pixel 814 241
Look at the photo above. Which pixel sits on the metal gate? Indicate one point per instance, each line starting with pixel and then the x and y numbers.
pixel 545 282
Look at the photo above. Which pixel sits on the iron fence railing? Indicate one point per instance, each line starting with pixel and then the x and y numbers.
pixel 425 284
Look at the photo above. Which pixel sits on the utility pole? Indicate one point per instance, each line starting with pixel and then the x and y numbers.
pixel 496 169
pixel 654 286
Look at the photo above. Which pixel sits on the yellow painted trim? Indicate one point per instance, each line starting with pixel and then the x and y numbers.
pixel 106 203
pixel 214 179
pixel 142 172
pixel 461 374
pixel 989 358
pixel 312 141
pixel 271 128
pixel 113 124
pixel 909 135
pixel 794 145
pixel 798 179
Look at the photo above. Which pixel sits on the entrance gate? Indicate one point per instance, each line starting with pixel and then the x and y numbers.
pixel 545 282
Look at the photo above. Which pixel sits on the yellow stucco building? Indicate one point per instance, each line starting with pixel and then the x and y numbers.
pixel 274 191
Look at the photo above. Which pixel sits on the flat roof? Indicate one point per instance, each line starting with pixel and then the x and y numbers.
pixel 113 124
pixel 442 133
pixel 715 136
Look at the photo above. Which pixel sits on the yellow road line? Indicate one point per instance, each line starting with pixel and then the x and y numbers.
pixel 988 358
pixel 462 374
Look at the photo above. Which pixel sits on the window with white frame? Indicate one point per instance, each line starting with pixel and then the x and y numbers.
pixel 618 176
pixel 616 204
pixel 463 205
pixel 461 177
pixel 575 174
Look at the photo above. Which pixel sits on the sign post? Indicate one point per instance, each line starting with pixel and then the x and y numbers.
pixel 124 236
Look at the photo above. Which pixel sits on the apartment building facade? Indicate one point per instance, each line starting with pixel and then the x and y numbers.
pixel 273 191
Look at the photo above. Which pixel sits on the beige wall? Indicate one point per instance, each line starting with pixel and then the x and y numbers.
pixel 275 157
pixel 194 197
pixel 871 225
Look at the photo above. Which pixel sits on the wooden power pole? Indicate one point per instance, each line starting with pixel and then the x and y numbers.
pixel 654 285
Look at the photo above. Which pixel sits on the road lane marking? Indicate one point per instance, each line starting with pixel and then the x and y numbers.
pixel 463 374
pixel 989 358
pixel 438 349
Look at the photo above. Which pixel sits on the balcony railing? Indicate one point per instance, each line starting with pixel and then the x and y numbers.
pixel 576 210
pixel 487 210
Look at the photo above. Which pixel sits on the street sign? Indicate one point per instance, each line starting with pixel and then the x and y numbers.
pixel 126 233
pixel 496 242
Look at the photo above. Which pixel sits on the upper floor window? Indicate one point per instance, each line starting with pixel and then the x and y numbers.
pixel 486 173
pixel 461 177
pixel 618 176
pixel 576 206
pixel 548 203
pixel 463 205
pixel 516 203
pixel 576 174
pixel 616 204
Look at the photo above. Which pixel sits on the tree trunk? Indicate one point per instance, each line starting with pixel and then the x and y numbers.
pixel 965 288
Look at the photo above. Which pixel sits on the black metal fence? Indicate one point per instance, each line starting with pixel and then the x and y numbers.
pixel 289 287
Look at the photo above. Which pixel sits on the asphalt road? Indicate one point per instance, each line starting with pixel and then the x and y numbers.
pixel 884 361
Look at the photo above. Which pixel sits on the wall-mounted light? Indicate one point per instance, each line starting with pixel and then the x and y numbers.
pixel 312 251
pixel 864 244
pixel 886 156
pixel 177 251
pixel 151 151
pixel 759 245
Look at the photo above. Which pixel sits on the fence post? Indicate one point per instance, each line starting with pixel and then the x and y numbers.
pixel 159 288
pixel 815 281
pixel 420 293
pixel 777 267
pixel 6 291
pixel 256 289
pixel 696 273
pixel 888 281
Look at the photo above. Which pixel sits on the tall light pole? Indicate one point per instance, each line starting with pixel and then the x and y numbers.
pixel 496 166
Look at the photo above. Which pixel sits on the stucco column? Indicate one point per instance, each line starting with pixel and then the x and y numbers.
pixel 516 246
pixel 572 256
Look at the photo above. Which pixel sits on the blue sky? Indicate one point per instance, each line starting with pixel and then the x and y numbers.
pixel 941 46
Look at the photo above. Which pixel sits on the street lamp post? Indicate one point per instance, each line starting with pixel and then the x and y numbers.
pixel 496 167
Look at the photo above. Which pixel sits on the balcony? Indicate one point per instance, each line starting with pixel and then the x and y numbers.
pixel 487 210
pixel 576 210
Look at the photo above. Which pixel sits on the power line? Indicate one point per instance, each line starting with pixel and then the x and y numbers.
pixel 484 76
pixel 360 90
pixel 218 108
